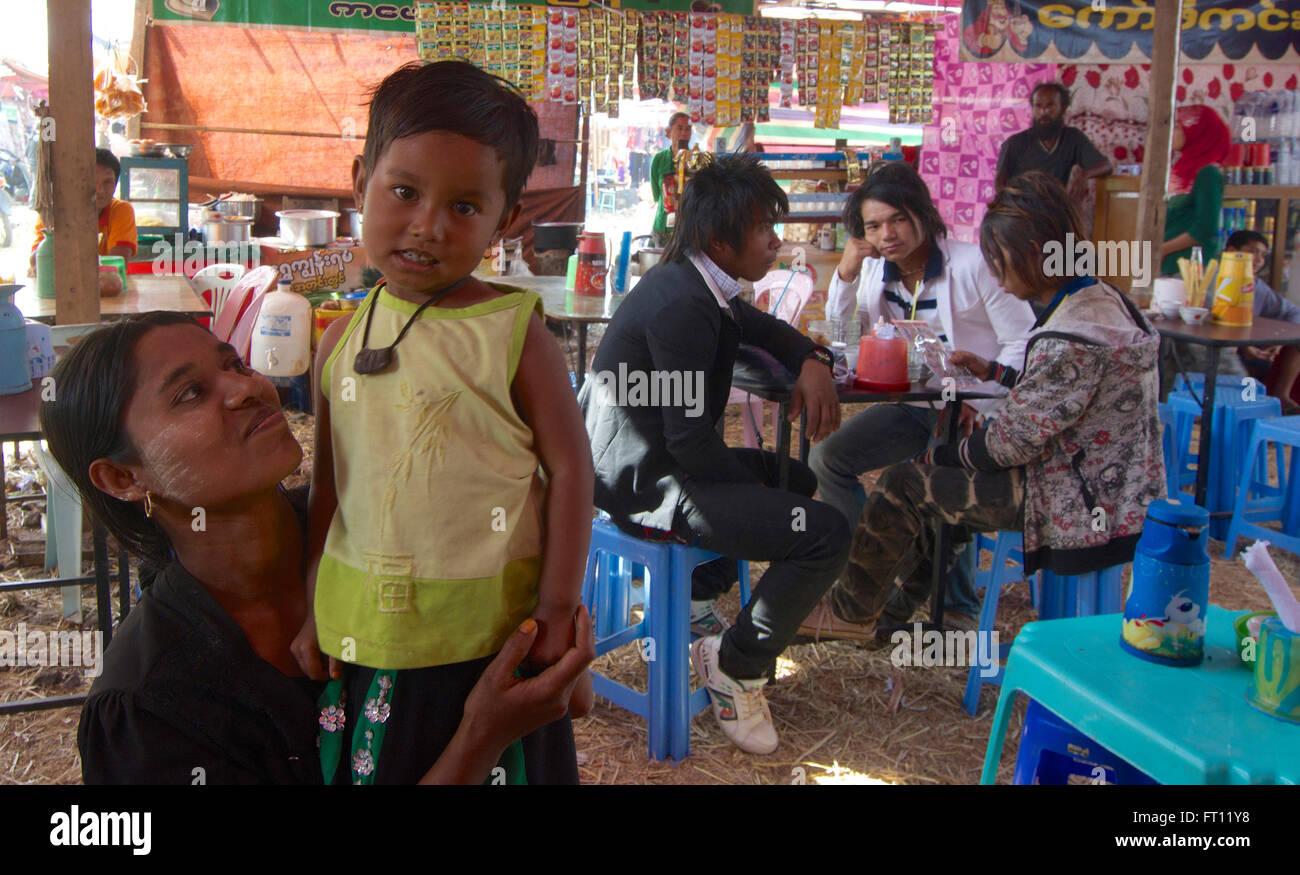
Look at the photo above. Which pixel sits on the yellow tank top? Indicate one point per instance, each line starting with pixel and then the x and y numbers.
pixel 434 552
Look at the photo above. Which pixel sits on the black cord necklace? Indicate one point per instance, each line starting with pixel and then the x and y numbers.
pixel 372 361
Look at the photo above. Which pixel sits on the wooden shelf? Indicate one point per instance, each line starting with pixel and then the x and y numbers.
pixel 828 173
pixel 1262 192
pixel 817 218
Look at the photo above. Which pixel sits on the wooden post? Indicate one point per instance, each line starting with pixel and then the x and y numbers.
pixel 72 105
pixel 1166 41
pixel 138 28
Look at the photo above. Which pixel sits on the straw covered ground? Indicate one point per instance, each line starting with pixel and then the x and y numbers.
pixel 844 714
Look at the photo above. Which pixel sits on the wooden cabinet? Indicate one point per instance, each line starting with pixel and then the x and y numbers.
pixel 1116 218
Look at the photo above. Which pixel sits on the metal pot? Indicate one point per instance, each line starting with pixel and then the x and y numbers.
pixel 308 228
pixel 230 229
pixel 248 209
pixel 648 258
pixel 352 223
pixel 556 235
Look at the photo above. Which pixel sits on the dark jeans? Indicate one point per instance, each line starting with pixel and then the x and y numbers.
pixel 806 542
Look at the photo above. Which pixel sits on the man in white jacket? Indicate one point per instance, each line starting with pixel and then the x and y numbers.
pixel 898 250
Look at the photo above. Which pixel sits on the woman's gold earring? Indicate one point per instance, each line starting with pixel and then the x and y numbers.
pixel 148 504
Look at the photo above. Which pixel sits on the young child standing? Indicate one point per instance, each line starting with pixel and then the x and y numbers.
pixel 452 483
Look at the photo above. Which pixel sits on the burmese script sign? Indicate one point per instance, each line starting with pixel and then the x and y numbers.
pixel 1112 31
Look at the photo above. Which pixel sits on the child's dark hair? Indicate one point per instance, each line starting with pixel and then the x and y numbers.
pixel 457 97
pixel 672 119
pixel 722 201
pixel 1244 237
pixel 896 184
pixel 93 383
pixel 105 158
pixel 1030 211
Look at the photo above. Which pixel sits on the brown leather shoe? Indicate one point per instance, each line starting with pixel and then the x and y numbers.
pixel 821 624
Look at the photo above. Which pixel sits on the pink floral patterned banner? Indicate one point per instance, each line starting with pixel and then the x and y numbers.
pixel 977 106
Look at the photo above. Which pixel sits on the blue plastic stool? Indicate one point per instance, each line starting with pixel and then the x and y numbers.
pixel 1233 419
pixel 1222 383
pixel 1238 424
pixel 1052 750
pixel 297 391
pixel 1280 503
pixel 1081 595
pixel 1175 439
pixel 1007 546
pixel 668 705
pixel 1059 596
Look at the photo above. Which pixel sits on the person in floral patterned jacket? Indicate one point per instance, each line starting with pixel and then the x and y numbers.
pixel 1074 455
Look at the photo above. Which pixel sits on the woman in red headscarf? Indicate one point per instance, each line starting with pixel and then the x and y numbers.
pixel 1201 141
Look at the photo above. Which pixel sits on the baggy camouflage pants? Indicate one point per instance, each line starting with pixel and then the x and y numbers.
pixel 893 544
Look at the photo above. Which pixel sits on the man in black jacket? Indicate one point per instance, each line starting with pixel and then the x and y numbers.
pixel 661 379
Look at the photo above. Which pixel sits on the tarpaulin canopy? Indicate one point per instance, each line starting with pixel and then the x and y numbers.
pixel 288 81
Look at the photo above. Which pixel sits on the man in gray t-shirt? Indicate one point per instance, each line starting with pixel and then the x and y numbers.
pixel 1049 145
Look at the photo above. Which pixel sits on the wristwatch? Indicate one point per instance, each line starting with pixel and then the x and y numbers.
pixel 823 355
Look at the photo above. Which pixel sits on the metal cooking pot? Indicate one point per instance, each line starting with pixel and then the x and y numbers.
pixel 249 209
pixel 230 229
pixel 352 223
pixel 645 257
pixel 648 258
pixel 556 235
pixel 308 228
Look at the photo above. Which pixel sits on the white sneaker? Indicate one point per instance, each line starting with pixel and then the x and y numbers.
pixel 705 619
pixel 739 706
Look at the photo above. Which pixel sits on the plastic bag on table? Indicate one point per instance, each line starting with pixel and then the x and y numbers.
pixel 922 338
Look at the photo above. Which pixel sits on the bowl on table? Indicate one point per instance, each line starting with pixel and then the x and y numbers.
pixel 1170 311
pixel 1193 315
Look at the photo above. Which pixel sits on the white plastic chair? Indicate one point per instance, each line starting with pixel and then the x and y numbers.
pixel 62 527
pixel 214 283
pixel 784 294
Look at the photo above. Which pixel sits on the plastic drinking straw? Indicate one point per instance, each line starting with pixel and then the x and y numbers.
pixel 781 297
pixel 916 297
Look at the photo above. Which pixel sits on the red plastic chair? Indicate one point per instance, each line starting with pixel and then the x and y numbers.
pixel 251 286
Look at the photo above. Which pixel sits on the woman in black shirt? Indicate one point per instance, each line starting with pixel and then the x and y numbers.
pixel 180 449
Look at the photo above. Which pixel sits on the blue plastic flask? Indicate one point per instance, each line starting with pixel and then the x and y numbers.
pixel 1164 615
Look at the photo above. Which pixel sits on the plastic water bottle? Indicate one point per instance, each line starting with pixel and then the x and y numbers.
pixel 282 338
pixel 1240 111
pixel 45 267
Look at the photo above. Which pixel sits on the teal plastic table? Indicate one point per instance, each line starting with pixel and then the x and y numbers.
pixel 1179 725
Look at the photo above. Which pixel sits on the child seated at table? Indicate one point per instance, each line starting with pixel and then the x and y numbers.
pixel 452 484
pixel 1072 459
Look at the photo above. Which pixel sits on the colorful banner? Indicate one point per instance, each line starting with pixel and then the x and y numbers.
pixel 399 16
pixel 976 107
pixel 1111 31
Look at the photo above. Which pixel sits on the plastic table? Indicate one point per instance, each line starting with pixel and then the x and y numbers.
pixel 563 305
pixel 1179 725
pixel 143 293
